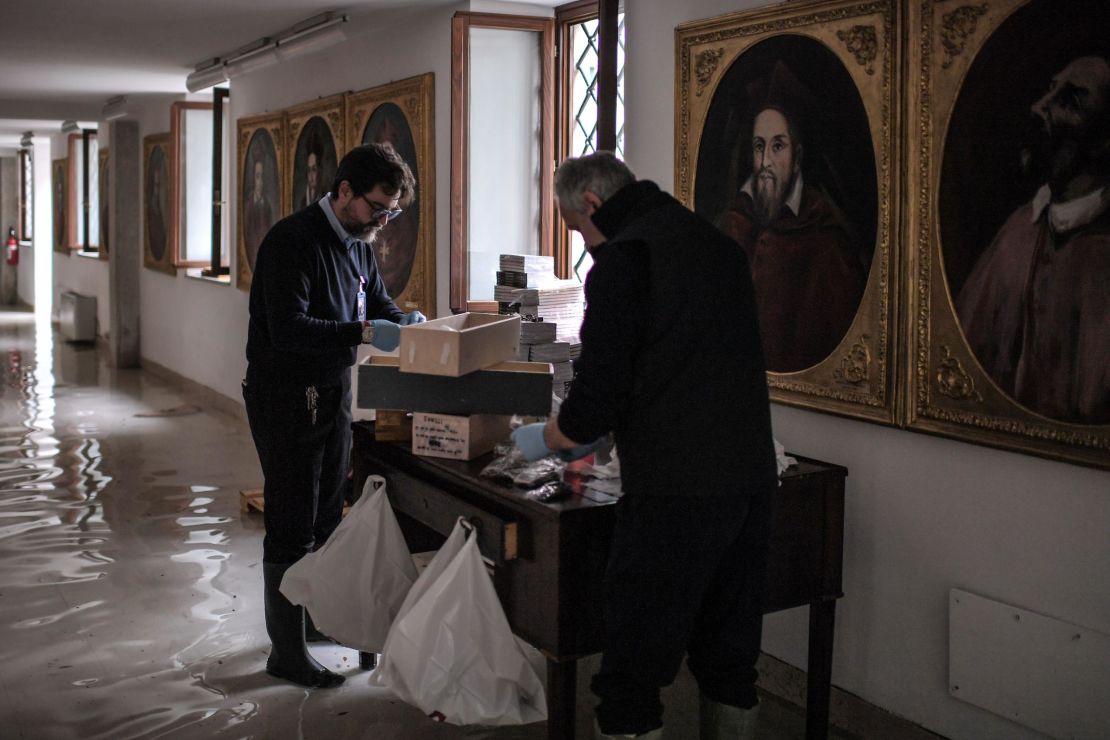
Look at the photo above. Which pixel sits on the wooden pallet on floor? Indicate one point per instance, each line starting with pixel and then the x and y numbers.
pixel 251 498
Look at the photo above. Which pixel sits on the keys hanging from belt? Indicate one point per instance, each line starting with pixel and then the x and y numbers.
pixel 311 397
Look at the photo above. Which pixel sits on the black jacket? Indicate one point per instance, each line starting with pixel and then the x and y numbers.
pixel 671 360
pixel 304 327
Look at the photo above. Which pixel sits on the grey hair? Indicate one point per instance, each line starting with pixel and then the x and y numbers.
pixel 600 173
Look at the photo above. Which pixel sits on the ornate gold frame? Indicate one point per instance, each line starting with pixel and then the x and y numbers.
pixel 274 123
pixel 332 110
pixel 949 393
pixel 150 143
pixel 859 378
pixel 415 96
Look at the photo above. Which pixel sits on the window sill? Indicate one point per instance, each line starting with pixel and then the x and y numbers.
pixel 195 273
pixel 88 255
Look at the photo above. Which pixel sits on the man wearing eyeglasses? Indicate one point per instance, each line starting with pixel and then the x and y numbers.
pixel 315 296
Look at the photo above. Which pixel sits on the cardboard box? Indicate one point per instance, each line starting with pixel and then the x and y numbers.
pixel 507 388
pixel 392 425
pixel 460 344
pixel 457 437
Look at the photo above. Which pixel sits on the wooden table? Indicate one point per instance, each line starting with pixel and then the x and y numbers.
pixel 549 558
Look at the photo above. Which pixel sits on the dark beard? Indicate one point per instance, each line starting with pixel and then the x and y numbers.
pixel 1066 154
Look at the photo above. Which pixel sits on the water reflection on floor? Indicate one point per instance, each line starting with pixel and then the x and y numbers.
pixel 130 584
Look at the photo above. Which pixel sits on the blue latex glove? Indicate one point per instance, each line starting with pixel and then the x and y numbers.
pixel 413 317
pixel 574 453
pixel 387 335
pixel 529 440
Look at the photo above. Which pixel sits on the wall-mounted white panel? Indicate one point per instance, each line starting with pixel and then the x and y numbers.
pixel 1038 671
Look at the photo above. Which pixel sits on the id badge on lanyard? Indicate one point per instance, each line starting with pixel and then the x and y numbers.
pixel 361 297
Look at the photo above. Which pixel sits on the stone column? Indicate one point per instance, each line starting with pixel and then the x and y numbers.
pixel 125 247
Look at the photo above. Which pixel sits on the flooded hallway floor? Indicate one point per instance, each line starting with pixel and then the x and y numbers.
pixel 131 584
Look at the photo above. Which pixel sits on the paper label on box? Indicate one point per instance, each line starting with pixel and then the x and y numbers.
pixel 439 436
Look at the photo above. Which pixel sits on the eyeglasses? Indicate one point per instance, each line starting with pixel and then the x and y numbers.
pixel 377 210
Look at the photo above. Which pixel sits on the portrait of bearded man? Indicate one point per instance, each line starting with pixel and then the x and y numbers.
pixel 804 255
pixel 1035 307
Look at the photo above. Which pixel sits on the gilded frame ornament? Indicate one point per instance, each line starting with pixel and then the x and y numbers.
pixel 856 45
pixel 157 167
pixel 273 125
pixel 314 120
pixel 393 108
pixel 973 213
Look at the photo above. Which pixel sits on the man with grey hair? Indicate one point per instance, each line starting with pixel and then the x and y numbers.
pixel 672 365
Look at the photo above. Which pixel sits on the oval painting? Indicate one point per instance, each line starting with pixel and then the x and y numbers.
pixel 314 163
pixel 395 246
pixel 1024 209
pixel 155 199
pixel 261 188
pixel 786 167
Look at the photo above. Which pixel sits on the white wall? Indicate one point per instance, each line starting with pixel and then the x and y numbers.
pixel 35 264
pixel 924 514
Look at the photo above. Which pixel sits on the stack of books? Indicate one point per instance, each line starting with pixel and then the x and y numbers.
pixel 550 309
pixel 521 271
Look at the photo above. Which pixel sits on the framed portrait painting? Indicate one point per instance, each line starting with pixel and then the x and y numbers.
pixel 157 254
pixel 402 114
pixel 786 137
pixel 315 137
pixel 261 186
pixel 59 184
pixel 1009 218
pixel 102 200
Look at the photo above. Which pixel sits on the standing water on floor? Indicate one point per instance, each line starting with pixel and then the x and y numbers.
pixel 130 583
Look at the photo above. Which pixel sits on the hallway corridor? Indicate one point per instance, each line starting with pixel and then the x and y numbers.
pixel 130 584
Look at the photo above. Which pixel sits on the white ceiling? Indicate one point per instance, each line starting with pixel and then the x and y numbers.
pixel 62 59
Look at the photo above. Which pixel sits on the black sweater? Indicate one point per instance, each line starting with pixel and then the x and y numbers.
pixel 304 327
pixel 671 361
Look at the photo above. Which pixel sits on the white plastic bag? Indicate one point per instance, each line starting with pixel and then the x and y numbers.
pixel 354 585
pixel 451 652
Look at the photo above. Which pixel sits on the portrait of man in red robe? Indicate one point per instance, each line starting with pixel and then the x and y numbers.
pixel 804 254
pixel 1036 307
pixel 1024 209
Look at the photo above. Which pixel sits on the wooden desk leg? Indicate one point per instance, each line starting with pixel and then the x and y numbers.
pixel 562 679
pixel 822 619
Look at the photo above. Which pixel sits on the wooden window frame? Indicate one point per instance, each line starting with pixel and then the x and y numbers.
pixel 177 110
pixel 78 199
pixel 461 24
pixel 567 16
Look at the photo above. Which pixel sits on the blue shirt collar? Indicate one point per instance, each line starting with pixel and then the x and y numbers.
pixel 348 240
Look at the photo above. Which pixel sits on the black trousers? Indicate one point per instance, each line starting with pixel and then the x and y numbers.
pixel 304 454
pixel 685 577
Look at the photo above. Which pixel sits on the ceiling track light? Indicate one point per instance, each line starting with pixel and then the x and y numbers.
pixel 304 36
pixel 71 127
pixel 116 107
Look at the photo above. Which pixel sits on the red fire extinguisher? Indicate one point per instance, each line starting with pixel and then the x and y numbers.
pixel 13 248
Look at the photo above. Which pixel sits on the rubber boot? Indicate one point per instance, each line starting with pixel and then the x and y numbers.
pixel 656 734
pixel 289 658
pixel 311 634
pixel 726 722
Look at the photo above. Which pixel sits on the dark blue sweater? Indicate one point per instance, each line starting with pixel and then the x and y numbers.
pixel 304 327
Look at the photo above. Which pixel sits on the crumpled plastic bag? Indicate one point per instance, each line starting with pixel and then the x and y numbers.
pixel 451 653
pixel 355 584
